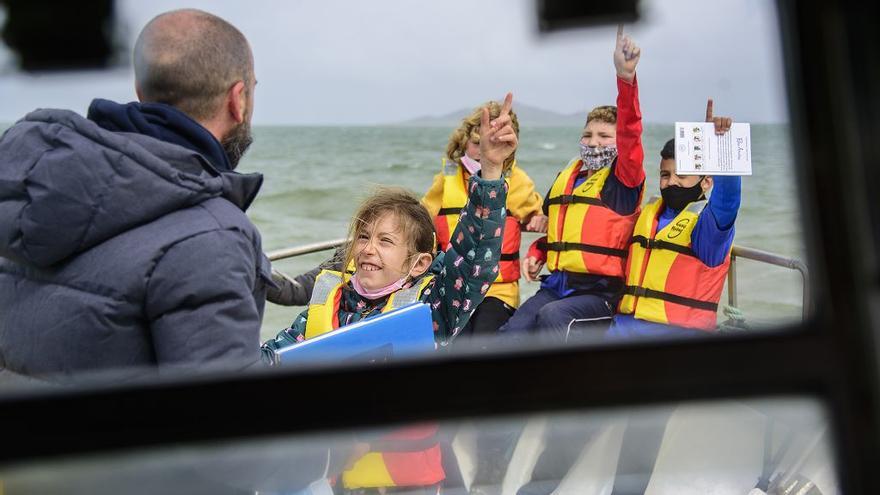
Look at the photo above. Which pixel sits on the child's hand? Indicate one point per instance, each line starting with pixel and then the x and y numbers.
pixel 497 140
pixel 531 267
pixel 722 124
pixel 626 56
pixel 538 223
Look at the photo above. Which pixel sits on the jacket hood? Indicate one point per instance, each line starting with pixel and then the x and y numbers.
pixel 66 184
pixel 163 122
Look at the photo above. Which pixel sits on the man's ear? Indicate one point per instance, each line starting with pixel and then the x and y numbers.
pixel 236 101
pixel 422 264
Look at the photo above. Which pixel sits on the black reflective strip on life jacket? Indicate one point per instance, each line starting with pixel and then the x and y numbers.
pixel 509 256
pixel 661 244
pixel 589 248
pixel 404 445
pixel 665 296
pixel 542 243
pixel 566 199
pixel 450 211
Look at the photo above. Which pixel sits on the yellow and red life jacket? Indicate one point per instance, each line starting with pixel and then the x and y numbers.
pixel 455 198
pixel 584 235
pixel 323 311
pixel 408 456
pixel 666 282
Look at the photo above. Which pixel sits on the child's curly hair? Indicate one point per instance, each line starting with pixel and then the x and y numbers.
pixel 469 130
pixel 604 113
pixel 413 219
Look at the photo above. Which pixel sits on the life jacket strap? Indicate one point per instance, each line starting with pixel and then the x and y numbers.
pixel 450 211
pixel 665 296
pixel 509 256
pixel 589 248
pixel 566 199
pixel 661 244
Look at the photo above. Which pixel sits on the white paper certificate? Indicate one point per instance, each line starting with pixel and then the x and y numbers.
pixel 698 151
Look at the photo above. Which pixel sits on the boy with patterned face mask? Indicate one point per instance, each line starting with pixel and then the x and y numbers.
pixel 592 208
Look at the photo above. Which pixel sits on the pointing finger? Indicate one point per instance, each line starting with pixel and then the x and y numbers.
pixel 709 110
pixel 619 31
pixel 484 121
pixel 508 103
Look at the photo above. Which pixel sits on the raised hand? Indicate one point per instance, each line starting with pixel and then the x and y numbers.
pixel 626 55
pixel 497 140
pixel 722 124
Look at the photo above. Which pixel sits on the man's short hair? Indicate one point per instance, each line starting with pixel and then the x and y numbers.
pixel 668 151
pixel 189 59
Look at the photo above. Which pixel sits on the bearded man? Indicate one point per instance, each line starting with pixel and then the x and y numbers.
pixel 123 240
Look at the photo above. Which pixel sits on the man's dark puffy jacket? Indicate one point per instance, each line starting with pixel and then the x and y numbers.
pixel 121 251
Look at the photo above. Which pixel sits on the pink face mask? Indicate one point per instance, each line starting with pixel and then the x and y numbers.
pixel 376 293
pixel 471 165
pixel 383 291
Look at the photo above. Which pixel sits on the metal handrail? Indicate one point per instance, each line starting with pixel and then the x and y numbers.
pixel 285 253
pixel 736 252
pixel 772 259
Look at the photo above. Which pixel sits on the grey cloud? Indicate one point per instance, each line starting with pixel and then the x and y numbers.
pixel 384 61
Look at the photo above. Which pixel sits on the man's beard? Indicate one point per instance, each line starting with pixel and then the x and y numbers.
pixel 237 142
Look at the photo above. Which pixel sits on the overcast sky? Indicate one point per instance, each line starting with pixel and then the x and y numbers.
pixel 383 61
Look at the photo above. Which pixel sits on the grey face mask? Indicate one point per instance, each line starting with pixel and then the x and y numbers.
pixel 598 157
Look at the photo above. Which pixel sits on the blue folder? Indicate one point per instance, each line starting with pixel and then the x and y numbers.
pixel 408 331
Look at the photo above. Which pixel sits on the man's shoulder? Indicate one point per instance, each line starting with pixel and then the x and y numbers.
pixel 49 129
pixel 211 215
pixel 227 215
pixel 44 124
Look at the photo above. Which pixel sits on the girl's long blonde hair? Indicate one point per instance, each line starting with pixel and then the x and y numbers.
pixel 469 130
pixel 413 219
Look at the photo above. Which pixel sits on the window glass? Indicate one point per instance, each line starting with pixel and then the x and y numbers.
pixel 780 445
pixel 349 97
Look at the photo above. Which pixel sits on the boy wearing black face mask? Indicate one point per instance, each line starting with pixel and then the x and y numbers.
pixel 680 252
